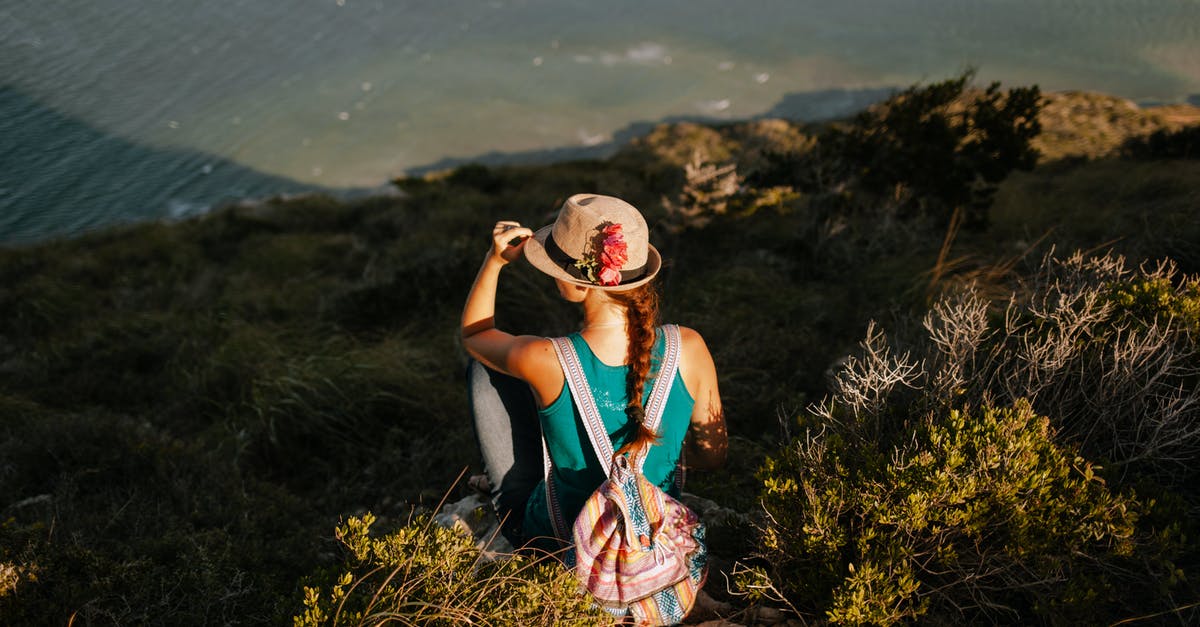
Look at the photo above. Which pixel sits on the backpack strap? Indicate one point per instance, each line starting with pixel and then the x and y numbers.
pixel 559 523
pixel 663 381
pixel 582 393
pixel 577 383
pixel 593 424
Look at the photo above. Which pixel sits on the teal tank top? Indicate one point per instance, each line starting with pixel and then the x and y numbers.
pixel 577 473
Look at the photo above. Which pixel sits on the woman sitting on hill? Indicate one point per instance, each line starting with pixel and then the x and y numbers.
pixel 599 255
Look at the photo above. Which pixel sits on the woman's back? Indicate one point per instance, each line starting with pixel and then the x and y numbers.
pixel 577 471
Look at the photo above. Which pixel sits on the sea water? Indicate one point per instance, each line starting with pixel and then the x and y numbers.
pixel 113 111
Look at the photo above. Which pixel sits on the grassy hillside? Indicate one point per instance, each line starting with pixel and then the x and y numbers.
pixel 187 410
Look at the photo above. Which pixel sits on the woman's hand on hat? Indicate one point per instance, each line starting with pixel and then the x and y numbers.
pixel 508 239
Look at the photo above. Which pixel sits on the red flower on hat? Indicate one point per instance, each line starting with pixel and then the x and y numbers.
pixel 614 254
pixel 609 276
pixel 604 268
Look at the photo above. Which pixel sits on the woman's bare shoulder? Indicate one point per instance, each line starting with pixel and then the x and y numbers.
pixel 535 362
pixel 533 351
pixel 696 364
pixel 691 340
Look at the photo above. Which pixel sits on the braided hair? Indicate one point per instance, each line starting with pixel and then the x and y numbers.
pixel 641 321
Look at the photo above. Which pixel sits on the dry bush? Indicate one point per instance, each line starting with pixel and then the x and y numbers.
pixel 1110 353
pixel 1107 351
pixel 706 192
pixel 953 476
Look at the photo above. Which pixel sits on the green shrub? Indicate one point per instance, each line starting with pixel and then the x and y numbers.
pixel 1155 299
pixel 938 147
pixel 1183 143
pixel 975 512
pixel 424 574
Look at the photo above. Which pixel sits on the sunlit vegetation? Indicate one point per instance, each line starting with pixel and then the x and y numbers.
pixel 423 574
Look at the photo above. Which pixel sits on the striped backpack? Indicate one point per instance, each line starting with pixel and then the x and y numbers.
pixel 637 551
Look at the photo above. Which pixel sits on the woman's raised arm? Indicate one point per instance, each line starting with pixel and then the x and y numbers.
pixel 480 336
pixel 522 356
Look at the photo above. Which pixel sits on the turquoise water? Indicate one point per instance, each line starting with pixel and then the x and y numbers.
pixel 113 111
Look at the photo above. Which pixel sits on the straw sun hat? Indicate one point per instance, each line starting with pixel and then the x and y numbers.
pixel 574 248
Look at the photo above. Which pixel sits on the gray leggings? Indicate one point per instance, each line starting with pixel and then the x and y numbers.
pixel 509 434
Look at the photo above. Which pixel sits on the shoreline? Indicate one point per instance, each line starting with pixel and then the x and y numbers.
pixel 1079 104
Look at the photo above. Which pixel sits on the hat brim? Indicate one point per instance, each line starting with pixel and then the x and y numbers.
pixel 535 253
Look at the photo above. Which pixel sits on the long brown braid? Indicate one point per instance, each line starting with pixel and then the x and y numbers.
pixel 641 321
